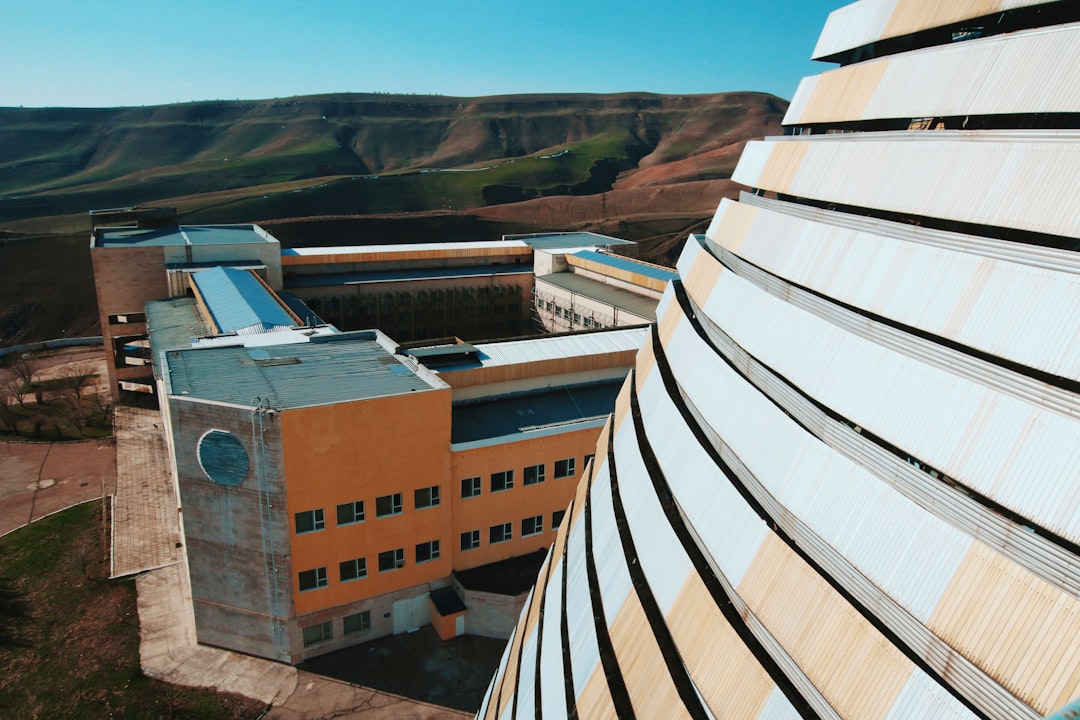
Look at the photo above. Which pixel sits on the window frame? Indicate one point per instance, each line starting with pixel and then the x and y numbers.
pixel 355 508
pixel 538 525
pixel 325 631
pixel 538 475
pixel 363 623
pixel 433 497
pixel 432 549
pixel 506 480
pixel 473 540
pixel 395 505
pixel 318 521
pixel 318 579
pixel 476 487
pixel 507 533
pixel 398 555
pixel 359 569
pixel 569 465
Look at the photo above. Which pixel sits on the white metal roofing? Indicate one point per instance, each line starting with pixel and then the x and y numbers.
pixel 612 575
pixel 867 21
pixel 552 673
pixel 1023 180
pixel 1017 73
pixel 402 248
pixel 584 650
pixel 526 688
pixel 513 352
pixel 1021 313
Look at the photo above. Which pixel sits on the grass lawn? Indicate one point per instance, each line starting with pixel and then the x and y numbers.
pixel 69 636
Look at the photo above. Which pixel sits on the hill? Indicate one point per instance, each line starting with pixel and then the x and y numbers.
pixel 363 165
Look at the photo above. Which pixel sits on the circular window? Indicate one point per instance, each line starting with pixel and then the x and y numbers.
pixel 223 458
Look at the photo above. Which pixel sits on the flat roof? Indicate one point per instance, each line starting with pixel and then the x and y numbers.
pixel 173 324
pixel 548 347
pixel 512 415
pixel 559 241
pixel 180 235
pixel 635 266
pixel 401 248
pixel 237 300
pixel 325 370
pixel 404 275
pixel 640 305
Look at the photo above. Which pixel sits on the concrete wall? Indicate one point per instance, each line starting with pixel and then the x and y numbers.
pixel 268 254
pixel 237 537
pixel 490 615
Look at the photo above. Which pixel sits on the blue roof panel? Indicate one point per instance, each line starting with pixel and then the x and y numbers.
pixel 635 266
pixel 236 300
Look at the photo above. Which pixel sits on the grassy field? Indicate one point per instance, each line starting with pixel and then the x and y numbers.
pixel 69 636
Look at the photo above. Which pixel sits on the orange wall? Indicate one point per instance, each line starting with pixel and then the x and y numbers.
pixel 360 450
pixel 480 513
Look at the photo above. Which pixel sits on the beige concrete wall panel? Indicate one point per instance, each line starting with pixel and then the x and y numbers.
pixel 583 484
pixel 595 698
pixel 622 406
pixel 1016 627
pixel 726 673
pixel 732 226
pixel 359 255
pixel 785 162
pixel 537 368
pixel 704 273
pixel 646 361
pixel 856 668
pixel 652 691
pixel 844 94
pixel 532 617
pixel 910 16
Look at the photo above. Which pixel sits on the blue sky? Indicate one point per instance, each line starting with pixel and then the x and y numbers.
pixel 99 54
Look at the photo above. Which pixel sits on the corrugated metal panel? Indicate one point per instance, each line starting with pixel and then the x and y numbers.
pixel 648 679
pixel 868 21
pixel 237 300
pixel 614 578
pixel 1000 446
pixel 777 707
pixel 636 272
pixel 595 700
pixel 858 670
pixel 1023 631
pixel 567 346
pixel 584 651
pixel 526 689
pixel 924 698
pixel 1012 311
pixel 488 708
pixel 1015 73
pixel 726 673
pixel 1010 179
pixel 552 673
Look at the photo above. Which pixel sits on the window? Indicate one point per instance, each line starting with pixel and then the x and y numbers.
pixel 470 540
pixel 360 622
pixel 577 318
pixel 564 468
pixel 427 551
pixel 532 525
pixel 426 497
pixel 500 533
pixel 350 513
pixel 388 505
pixel 312 579
pixel 556 519
pixel 550 306
pixel 391 560
pixel 309 521
pixel 470 487
pixel 534 474
pixel 315 634
pixel 353 569
pixel 502 480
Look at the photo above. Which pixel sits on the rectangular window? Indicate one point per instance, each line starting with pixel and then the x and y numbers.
pixel 532 525
pixel 500 533
pixel 388 505
pixel 550 306
pixel 470 540
pixel 588 322
pixel 565 468
pixel 533 474
pixel 312 579
pixel 309 521
pixel 391 560
pixel 350 513
pixel 427 551
pixel 470 487
pixel 360 622
pixel 502 480
pixel 426 497
pixel 577 318
pixel 315 634
pixel 353 569
pixel 556 519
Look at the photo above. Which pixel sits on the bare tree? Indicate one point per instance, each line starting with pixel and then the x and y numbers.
pixel 11 388
pixel 24 366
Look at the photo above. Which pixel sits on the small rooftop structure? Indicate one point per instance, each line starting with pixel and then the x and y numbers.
pixel 239 302
pixel 179 236
pixel 641 306
pixel 569 240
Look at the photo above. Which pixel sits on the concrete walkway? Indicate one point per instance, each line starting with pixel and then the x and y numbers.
pixel 145 517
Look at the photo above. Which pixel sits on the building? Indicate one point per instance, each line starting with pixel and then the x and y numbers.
pixel 843 479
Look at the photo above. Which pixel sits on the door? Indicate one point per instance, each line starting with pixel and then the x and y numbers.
pixel 411 613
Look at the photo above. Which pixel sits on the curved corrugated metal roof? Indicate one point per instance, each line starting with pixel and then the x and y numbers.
pixel 237 301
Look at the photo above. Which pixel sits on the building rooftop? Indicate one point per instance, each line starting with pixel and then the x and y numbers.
pixel 327 369
pixel 180 235
pixel 640 305
pixel 404 275
pixel 401 248
pixel 510 416
pixel 562 241
pixel 628 264
pixel 239 302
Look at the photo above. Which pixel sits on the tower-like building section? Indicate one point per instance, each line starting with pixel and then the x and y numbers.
pixel 843 480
